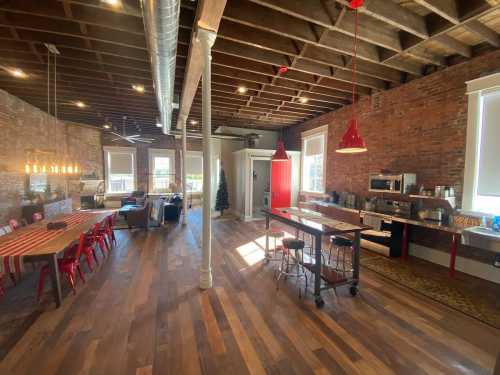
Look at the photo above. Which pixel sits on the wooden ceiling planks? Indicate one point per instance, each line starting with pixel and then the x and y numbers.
pixel 104 52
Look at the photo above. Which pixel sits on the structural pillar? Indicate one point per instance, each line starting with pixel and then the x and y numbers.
pixel 183 119
pixel 206 38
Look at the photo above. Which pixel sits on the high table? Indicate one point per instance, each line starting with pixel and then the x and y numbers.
pixel 319 225
pixel 35 243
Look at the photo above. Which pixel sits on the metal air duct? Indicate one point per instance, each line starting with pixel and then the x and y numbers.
pixel 161 22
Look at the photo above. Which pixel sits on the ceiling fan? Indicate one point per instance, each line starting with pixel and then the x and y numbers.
pixel 130 138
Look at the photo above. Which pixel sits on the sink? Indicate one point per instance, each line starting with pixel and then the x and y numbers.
pixel 484 238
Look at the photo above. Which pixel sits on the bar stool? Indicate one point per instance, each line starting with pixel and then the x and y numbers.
pixel 290 261
pixel 343 259
pixel 276 235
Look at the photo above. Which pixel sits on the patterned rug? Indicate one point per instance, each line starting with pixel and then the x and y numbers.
pixel 484 306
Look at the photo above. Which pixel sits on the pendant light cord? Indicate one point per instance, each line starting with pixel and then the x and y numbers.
pixel 354 63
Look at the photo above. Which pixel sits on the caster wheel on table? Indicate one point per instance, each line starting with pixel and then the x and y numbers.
pixel 319 302
pixel 353 290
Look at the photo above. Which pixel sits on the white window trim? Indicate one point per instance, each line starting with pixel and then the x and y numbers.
pixel 165 152
pixel 322 130
pixel 107 149
pixel 475 89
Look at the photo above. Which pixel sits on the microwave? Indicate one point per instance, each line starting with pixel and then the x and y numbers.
pixel 392 183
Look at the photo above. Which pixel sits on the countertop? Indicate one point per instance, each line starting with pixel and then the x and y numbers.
pixel 445 227
pixel 335 205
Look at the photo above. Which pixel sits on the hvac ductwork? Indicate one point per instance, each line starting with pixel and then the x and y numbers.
pixel 161 22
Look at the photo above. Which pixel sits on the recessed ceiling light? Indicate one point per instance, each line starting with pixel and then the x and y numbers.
pixel 80 104
pixel 158 124
pixel 193 122
pixel 113 3
pixel 242 89
pixel 107 126
pixel 303 100
pixel 138 88
pixel 18 73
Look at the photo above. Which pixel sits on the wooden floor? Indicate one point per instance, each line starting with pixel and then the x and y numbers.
pixel 142 313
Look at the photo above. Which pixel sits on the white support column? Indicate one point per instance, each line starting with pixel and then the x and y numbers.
pixel 207 39
pixel 183 168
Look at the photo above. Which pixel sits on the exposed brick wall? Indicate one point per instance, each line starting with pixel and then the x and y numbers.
pixel 22 127
pixel 418 127
pixel 161 141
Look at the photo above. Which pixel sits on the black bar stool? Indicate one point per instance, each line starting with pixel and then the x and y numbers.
pixel 293 257
pixel 343 258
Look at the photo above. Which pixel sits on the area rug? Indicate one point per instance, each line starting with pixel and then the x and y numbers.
pixel 439 287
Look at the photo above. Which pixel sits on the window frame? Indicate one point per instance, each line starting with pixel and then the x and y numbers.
pixel 308 134
pixel 159 152
pixel 117 149
pixel 475 91
pixel 200 155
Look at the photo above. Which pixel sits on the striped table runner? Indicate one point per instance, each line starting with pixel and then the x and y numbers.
pixel 12 251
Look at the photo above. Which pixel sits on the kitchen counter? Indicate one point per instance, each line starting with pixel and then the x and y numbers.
pixel 334 205
pixel 429 224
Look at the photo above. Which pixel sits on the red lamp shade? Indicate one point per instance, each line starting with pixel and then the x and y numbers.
pixel 352 142
pixel 355 4
pixel 280 154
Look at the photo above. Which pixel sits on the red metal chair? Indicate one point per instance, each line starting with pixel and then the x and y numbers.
pixel 98 237
pixel 111 220
pixel 68 265
pixel 14 224
pixel 37 216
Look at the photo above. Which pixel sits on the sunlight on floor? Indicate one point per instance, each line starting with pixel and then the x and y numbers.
pixel 254 251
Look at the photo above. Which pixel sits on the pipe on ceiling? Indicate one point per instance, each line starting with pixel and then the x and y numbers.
pixel 161 23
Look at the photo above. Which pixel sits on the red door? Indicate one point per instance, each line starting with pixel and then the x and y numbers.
pixel 281 183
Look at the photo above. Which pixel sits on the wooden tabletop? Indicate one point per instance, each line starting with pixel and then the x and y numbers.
pixel 60 242
pixel 312 221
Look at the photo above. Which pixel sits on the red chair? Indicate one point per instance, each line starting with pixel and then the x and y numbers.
pixel 68 265
pixel 14 224
pixel 98 237
pixel 37 216
pixel 111 219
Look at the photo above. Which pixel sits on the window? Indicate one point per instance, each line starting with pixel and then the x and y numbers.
pixel 194 172
pixel 482 175
pixel 313 160
pixel 38 182
pixel 161 170
pixel 120 164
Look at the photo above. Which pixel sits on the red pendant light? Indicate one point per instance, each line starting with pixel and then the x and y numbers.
pixel 352 142
pixel 280 154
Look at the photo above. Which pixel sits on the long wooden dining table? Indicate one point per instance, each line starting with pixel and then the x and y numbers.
pixel 36 243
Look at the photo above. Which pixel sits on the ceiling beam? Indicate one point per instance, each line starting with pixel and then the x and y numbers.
pixel 483 32
pixel 208 16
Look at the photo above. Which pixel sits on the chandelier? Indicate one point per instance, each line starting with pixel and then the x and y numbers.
pixel 49 161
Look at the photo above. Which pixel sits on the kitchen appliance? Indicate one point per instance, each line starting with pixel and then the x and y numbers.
pixel 386 236
pixel 434 214
pixel 402 183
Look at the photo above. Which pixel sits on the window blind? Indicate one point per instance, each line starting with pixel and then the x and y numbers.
pixel 488 183
pixel 314 145
pixel 120 163
pixel 194 164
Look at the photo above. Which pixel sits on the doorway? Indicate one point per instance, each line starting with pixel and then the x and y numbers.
pixel 261 184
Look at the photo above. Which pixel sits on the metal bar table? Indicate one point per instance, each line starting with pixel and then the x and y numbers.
pixel 319 225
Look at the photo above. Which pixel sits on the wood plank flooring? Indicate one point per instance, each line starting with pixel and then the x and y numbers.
pixel 142 313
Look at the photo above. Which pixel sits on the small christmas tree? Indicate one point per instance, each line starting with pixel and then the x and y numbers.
pixel 222 200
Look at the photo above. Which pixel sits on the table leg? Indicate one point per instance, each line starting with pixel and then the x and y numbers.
pixel 267 237
pixel 317 272
pixel 55 279
pixel 404 244
pixel 453 254
pixel 355 262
